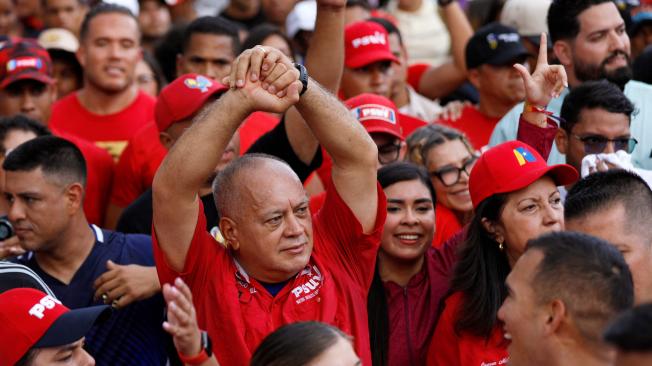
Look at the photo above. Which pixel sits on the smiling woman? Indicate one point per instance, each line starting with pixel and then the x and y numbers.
pixel 411 277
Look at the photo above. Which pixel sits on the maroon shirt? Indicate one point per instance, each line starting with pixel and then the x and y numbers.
pixel 413 310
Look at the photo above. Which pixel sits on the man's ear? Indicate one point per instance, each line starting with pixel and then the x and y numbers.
pixel 557 313
pixel 561 139
pixel 229 230
pixel 564 52
pixel 75 196
pixel 474 77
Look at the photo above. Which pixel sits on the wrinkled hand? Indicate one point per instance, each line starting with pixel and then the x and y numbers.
pixel 10 247
pixel 182 319
pixel 453 110
pixel 121 285
pixel 267 79
pixel 547 81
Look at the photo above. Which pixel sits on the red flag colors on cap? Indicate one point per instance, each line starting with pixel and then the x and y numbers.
pixel 365 43
pixel 184 97
pixel 376 113
pixel 23 59
pixel 33 319
pixel 511 166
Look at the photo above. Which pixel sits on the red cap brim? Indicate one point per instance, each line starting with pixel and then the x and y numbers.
pixel 562 174
pixel 366 58
pixel 30 75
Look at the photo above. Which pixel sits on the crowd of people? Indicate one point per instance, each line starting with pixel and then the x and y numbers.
pixel 326 182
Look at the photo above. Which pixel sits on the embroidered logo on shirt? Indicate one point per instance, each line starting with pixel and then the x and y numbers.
pixel 524 156
pixel 200 82
pixel 309 289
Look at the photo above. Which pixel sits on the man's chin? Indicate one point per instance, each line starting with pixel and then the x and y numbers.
pixel 620 76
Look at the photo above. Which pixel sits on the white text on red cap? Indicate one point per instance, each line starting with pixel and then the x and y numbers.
pixel 374 111
pixel 376 38
pixel 48 302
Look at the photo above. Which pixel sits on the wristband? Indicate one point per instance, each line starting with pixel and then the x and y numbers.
pixel 205 353
pixel 303 77
pixel 536 109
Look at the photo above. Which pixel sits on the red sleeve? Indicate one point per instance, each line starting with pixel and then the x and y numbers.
pixel 540 139
pixel 446 225
pixel 126 187
pixel 202 256
pixel 340 239
pixel 444 347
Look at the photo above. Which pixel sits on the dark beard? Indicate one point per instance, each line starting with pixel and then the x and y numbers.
pixel 619 76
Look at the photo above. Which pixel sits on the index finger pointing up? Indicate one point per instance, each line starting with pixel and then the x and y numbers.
pixel 543 50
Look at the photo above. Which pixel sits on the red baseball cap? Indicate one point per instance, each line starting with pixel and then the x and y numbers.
pixel 33 319
pixel 511 166
pixel 376 113
pixel 184 97
pixel 366 42
pixel 22 59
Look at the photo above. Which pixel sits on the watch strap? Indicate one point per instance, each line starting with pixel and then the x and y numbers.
pixel 303 77
pixel 205 353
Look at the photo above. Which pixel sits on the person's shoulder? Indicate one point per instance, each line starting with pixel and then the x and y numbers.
pixel 637 89
pixel 145 98
pixel 136 244
pixel 66 105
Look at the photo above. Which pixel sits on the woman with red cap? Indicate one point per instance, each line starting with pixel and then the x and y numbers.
pixel 515 199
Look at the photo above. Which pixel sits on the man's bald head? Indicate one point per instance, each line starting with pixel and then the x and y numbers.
pixel 243 175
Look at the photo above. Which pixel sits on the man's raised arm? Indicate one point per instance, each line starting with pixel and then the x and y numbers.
pixel 354 154
pixel 195 155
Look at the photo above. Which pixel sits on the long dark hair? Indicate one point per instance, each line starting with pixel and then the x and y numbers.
pixel 296 344
pixel 378 316
pixel 480 272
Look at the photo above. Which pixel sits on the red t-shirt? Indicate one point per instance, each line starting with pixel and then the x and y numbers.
pixel 110 132
pixel 447 348
pixel 256 125
pixel 238 312
pixel 137 166
pixel 99 174
pixel 446 225
pixel 475 125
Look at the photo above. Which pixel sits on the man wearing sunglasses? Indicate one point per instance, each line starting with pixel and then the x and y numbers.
pixel 595 119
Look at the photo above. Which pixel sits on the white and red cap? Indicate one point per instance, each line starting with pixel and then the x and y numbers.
pixel 365 43
pixel 184 97
pixel 376 113
pixel 33 319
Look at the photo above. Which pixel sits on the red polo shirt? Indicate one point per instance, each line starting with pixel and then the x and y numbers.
pixel 238 312
pixel 448 348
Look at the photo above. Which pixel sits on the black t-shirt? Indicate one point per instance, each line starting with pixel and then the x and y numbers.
pixel 137 217
pixel 257 19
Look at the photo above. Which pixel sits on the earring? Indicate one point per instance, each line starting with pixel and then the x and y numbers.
pixel 501 247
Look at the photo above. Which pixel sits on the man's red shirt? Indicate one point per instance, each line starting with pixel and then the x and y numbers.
pixel 238 312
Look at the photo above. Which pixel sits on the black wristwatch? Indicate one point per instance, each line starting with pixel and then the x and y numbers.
pixel 303 77
pixel 443 3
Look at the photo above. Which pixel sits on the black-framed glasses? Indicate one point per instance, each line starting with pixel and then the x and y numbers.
pixel 595 144
pixel 389 153
pixel 450 175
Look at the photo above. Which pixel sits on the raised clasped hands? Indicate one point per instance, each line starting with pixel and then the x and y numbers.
pixel 266 79
pixel 546 82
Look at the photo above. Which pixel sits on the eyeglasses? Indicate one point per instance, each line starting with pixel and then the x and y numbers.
pixel 595 144
pixel 389 153
pixel 449 176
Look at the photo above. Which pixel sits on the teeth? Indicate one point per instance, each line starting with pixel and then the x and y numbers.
pixel 408 237
pixel 508 336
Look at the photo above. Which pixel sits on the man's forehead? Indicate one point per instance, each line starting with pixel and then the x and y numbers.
pixel 599 17
pixel 102 25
